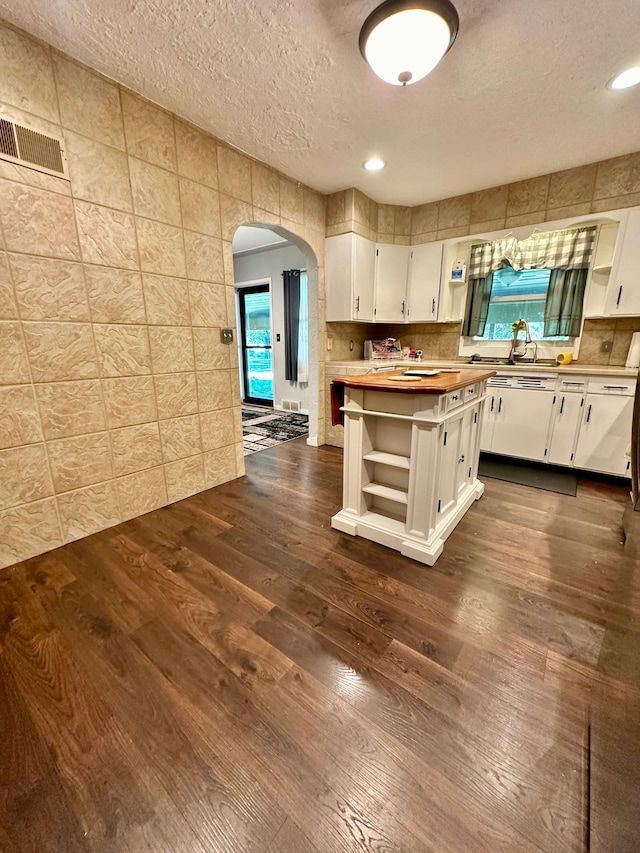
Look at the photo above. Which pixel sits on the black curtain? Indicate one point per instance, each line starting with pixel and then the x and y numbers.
pixel 478 298
pixel 564 302
pixel 291 322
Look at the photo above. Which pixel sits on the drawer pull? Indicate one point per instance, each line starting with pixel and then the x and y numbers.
pixel 616 387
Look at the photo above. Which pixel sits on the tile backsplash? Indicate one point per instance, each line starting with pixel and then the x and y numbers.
pixel 595 332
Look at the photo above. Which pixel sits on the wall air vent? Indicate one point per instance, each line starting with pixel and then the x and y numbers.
pixel 291 405
pixel 34 150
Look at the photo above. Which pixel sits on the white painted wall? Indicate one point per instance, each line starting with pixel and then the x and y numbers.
pixel 262 266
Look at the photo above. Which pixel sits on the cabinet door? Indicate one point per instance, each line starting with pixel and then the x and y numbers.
pixel 450 465
pixel 521 426
pixel 467 449
pixel 567 410
pixel 488 420
pixel 423 291
pixel 350 272
pixel 392 264
pixel 364 262
pixel 624 286
pixel 605 434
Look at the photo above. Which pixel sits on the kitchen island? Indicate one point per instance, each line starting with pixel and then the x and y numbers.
pixel 410 456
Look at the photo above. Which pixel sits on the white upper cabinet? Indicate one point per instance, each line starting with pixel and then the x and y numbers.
pixel 624 284
pixel 423 289
pixel 350 274
pixel 392 264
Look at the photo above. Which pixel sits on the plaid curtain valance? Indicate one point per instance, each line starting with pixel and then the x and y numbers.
pixel 569 249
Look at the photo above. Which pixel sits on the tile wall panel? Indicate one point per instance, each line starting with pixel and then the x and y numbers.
pixel 116 395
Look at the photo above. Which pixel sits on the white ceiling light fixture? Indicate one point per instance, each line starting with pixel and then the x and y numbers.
pixel 403 40
pixel 628 78
pixel 374 164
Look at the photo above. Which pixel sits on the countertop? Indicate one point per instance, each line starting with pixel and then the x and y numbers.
pixel 440 384
pixel 574 368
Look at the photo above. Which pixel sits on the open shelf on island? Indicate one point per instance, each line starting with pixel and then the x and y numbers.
pixel 393 459
pixel 390 493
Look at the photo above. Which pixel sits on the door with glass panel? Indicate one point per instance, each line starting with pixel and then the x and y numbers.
pixel 257 357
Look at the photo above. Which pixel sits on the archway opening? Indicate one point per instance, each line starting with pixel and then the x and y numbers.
pixel 262 253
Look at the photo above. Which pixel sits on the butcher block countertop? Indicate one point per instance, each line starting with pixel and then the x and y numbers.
pixel 442 383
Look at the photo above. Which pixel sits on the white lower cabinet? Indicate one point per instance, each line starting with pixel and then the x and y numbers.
pixel 585 423
pixel 516 422
pixel 567 411
pixel 605 434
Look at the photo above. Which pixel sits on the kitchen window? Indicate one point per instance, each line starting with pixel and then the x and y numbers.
pixel 541 279
pixel 515 295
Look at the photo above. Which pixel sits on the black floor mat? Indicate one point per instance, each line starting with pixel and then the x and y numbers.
pixel 538 476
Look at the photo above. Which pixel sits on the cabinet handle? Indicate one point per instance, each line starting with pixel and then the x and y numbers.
pixel 562 405
pixel 461 460
pixel 619 295
pixel 357 303
pixel 403 308
pixel 616 387
pixel 589 413
pixel 493 399
pixel 500 406
pixel 433 306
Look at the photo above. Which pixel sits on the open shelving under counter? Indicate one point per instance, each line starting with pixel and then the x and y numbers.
pixel 411 457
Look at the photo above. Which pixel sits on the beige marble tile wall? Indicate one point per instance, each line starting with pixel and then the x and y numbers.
pixel 436 340
pixel 617 330
pixel 607 185
pixel 116 395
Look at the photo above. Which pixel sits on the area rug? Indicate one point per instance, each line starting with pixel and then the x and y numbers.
pixel 263 428
pixel 539 476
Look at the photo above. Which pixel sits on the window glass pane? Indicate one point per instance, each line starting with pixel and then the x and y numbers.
pixel 259 374
pixel 257 319
pixel 502 314
pixel 515 295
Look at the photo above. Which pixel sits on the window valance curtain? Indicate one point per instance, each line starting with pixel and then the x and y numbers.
pixel 567 250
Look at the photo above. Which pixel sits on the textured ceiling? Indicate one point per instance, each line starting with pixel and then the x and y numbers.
pixel 522 91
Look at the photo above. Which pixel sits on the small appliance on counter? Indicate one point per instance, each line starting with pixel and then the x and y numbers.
pixel 565 357
pixel 387 349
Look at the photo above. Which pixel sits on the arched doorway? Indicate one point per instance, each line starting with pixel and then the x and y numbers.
pixel 254 276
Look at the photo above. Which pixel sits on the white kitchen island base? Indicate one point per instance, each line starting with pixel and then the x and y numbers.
pixel 410 461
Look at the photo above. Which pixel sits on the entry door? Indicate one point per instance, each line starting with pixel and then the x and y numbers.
pixel 257 357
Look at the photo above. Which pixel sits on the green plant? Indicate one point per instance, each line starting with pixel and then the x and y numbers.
pixel 518 325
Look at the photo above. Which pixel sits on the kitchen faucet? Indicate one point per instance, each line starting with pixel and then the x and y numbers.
pixel 519 346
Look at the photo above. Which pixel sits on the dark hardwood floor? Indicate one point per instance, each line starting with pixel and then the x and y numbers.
pixel 228 674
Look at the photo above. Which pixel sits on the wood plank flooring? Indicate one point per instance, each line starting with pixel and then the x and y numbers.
pixel 230 675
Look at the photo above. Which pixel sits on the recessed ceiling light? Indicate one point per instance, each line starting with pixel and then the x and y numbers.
pixel 404 40
pixel 374 164
pixel 628 78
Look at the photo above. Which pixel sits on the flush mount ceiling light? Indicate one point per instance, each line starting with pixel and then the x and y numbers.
pixel 628 78
pixel 374 164
pixel 403 41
